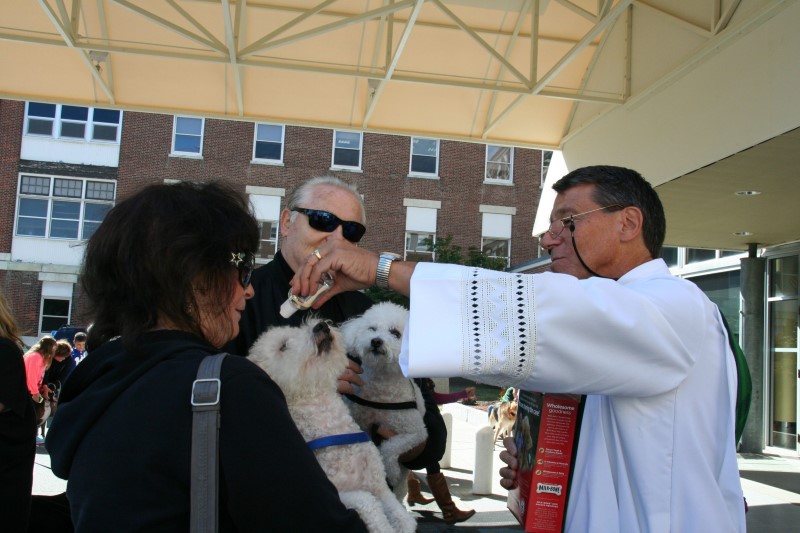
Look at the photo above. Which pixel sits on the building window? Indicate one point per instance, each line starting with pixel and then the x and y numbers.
pixel 547 155
pixel 105 125
pixel 268 244
pixel 188 136
pixel 499 163
pixel 498 248
pixel 73 122
pixel 424 156
pixel 670 255
pixel 41 118
pixel 696 255
pixel 419 246
pixel 268 144
pixel 55 313
pixel 496 231
pixel 347 149
pixel 62 208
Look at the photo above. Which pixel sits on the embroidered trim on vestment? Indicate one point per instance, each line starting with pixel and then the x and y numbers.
pixel 499 334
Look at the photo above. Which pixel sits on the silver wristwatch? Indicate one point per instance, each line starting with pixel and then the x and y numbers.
pixel 384 265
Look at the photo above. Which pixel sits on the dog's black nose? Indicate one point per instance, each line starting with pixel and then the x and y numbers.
pixel 323 337
pixel 322 327
pixel 376 343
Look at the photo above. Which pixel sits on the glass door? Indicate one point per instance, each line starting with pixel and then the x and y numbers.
pixel 783 351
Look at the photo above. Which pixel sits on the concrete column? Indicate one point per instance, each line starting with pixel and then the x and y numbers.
pixel 753 276
pixel 484 459
pixel 446 459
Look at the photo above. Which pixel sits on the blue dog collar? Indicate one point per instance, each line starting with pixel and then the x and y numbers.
pixel 338 440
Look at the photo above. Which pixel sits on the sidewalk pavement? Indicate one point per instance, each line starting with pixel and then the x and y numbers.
pixel 771 484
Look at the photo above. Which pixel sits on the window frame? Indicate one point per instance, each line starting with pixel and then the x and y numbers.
pixel 58 121
pixel 360 149
pixel 180 153
pixel 484 238
pixel 417 173
pixel 282 144
pixel 487 161
pixel 50 209
pixel 42 331
pixel 276 226
pixel 545 166
pixel 416 252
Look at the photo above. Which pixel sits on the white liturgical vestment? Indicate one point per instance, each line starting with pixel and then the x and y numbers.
pixel 656 451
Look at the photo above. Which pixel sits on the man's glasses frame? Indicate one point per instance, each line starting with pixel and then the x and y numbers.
pixel 328 222
pixel 245 264
pixel 570 220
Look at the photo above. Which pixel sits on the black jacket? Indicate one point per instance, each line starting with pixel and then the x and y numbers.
pixel 18 420
pixel 122 437
pixel 271 285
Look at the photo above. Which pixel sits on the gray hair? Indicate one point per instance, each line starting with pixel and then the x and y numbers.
pixel 303 192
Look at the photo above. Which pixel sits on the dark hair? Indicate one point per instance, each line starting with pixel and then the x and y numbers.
pixel 626 187
pixel 154 249
pixel 63 348
pixel 79 337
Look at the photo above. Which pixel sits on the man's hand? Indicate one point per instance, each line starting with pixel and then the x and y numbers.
pixel 353 268
pixel 471 393
pixel 349 378
pixel 509 457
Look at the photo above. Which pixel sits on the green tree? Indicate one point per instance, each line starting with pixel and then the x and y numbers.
pixel 444 251
pixel 478 258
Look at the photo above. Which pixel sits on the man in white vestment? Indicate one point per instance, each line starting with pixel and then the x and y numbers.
pixel 656 451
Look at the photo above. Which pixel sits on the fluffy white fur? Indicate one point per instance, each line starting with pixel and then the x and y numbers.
pixel 305 362
pixel 375 337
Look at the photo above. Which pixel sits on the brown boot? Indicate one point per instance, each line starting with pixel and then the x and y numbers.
pixel 441 492
pixel 414 494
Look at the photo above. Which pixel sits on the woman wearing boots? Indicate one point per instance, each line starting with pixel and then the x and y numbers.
pixel 434 451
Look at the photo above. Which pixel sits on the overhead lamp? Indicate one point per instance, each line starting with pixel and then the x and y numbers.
pixel 742 233
pixel 747 193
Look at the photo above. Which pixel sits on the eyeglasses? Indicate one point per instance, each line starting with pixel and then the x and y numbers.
pixel 570 220
pixel 328 222
pixel 244 263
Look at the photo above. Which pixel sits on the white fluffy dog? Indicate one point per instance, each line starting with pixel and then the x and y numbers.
pixel 305 362
pixel 374 338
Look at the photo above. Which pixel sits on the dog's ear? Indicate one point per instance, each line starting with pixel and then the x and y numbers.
pixel 354 357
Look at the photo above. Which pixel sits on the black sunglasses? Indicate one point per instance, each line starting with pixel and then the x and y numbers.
pixel 328 222
pixel 244 263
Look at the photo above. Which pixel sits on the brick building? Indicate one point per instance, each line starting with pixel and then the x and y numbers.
pixel 62 167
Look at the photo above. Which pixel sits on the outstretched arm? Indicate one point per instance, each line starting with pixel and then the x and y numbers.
pixel 353 268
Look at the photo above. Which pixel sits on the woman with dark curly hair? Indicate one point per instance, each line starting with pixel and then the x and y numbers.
pixel 167 275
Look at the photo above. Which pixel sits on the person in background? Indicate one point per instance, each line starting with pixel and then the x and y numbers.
pixel 17 428
pixel 511 395
pixel 61 367
pixel 54 377
pixel 37 360
pixel 429 459
pixel 657 448
pixel 79 349
pixel 167 275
